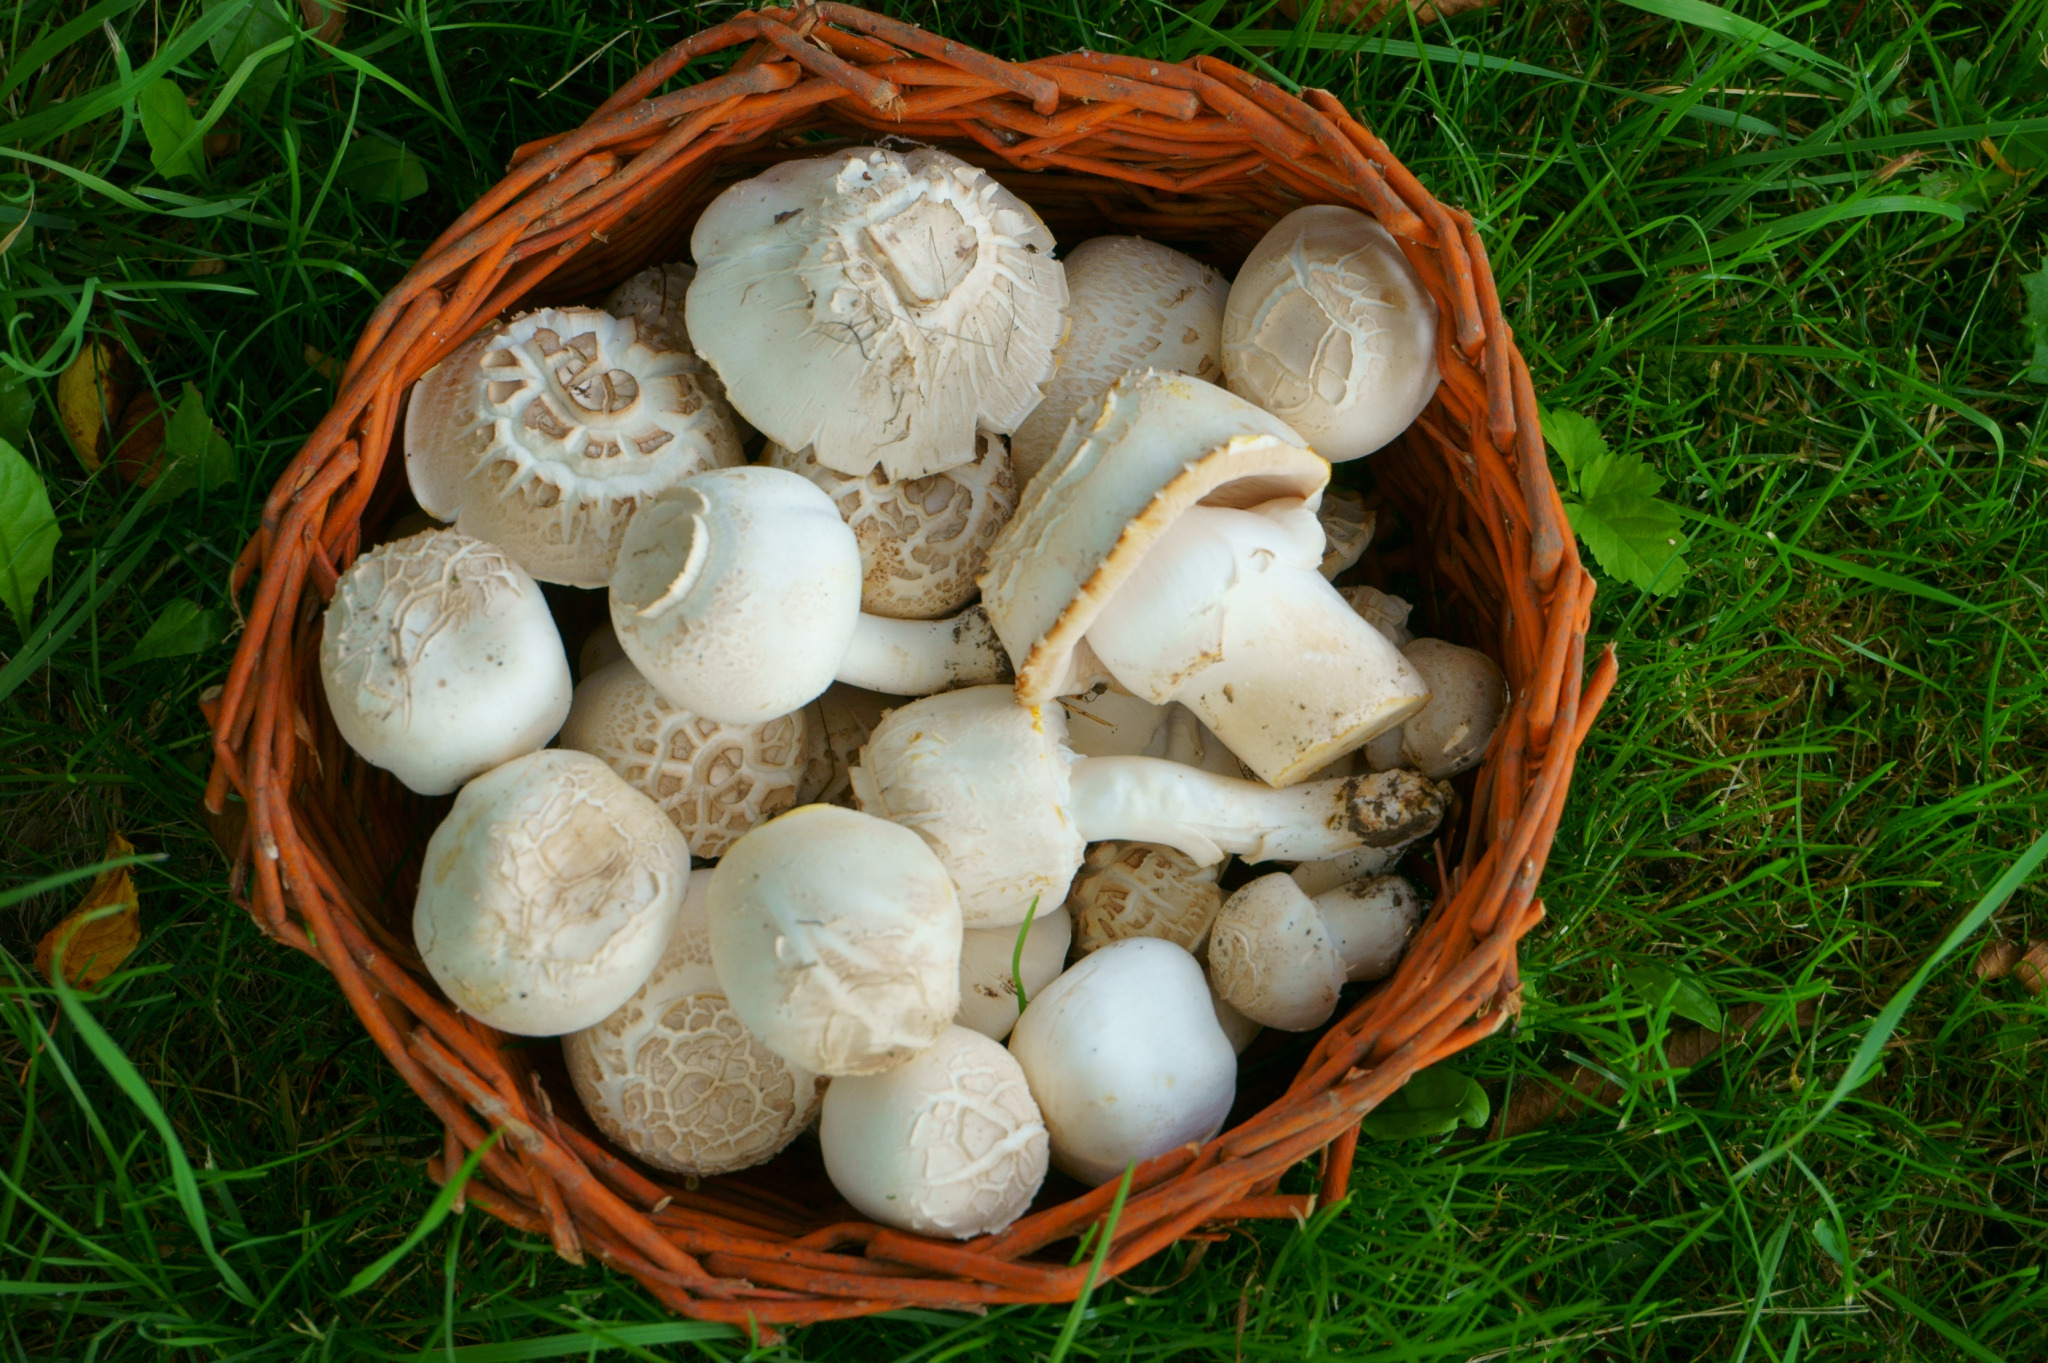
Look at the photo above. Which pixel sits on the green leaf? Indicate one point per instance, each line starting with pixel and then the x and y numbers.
pixel 1632 534
pixel 17 406
pixel 195 454
pixel 1576 439
pixel 2036 285
pixel 1830 1244
pixel 174 147
pixel 182 628
pixel 1683 990
pixel 261 24
pixel 28 533
pixel 381 171
pixel 1434 1102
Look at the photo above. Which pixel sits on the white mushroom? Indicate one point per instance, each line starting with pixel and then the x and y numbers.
pixel 1239 1029
pixel 600 650
pixel 922 540
pixel 546 434
pixel 714 781
pixel 1140 889
pixel 1281 958
pixel 1384 611
pixel 1175 530
pixel 1468 696
pixel 1008 808
pixel 738 597
pixel 877 306
pixel 548 894
pixel 439 660
pixel 654 299
pixel 1108 721
pixel 1126 1058
pixel 840 721
pixel 950 1143
pixel 1329 328
pixel 1347 524
pixel 1315 877
pixel 1134 304
pixel 988 982
pixel 674 1078
pixel 837 938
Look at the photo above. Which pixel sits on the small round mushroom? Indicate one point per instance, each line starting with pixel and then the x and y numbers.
pixel 877 306
pixel 1468 696
pixel 950 1143
pixel 654 299
pixel 922 540
pixel 439 660
pixel 1281 958
pixel 545 435
pixel 837 938
pixel 1329 328
pixel 674 1078
pixel 1140 889
pixel 1008 808
pixel 714 781
pixel 988 985
pixel 1134 304
pixel 1239 1029
pixel 738 597
pixel 1126 1058
pixel 548 894
pixel 1347 524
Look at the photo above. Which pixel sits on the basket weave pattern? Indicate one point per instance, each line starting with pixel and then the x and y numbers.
pixel 1199 154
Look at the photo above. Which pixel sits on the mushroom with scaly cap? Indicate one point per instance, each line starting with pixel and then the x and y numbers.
pixel 1281 958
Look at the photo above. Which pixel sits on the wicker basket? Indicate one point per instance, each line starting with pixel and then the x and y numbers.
pixel 1198 155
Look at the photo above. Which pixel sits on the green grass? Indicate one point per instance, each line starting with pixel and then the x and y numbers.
pixel 1823 751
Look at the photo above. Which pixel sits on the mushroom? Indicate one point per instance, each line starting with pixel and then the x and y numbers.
pixel 1108 721
pixel 548 894
pixel 1175 530
pixel 674 1078
pixel 1314 877
pixel 439 660
pixel 1126 1058
pixel 877 306
pixel 1281 958
pixel 837 938
pixel 654 299
pixel 1347 524
pixel 991 964
pixel 921 540
pixel 1384 611
pixel 714 781
pixel 600 650
pixel 1140 889
pixel 841 721
pixel 546 434
pixel 1133 304
pixel 738 597
pixel 1468 695
pixel 1240 1030
pixel 949 1143
pixel 995 790
pixel 1329 328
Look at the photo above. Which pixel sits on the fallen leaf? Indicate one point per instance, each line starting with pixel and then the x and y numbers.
pixel 90 394
pixel 94 947
pixel 325 365
pixel 325 17
pixel 179 629
pixel 172 132
pixel 196 455
pixel 139 440
pixel 381 171
pixel 28 534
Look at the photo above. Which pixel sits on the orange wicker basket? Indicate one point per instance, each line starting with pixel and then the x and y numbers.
pixel 1199 155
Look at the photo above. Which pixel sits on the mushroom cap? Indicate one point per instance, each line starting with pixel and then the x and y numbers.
pixel 440 660
pixel 949 1143
pixel 1468 695
pixel 674 1078
pixel 737 594
pixel 1126 1058
pixel 877 306
pixel 654 299
pixel 1151 447
pixel 988 988
pixel 922 540
pixel 837 938
pixel 1273 959
pixel 841 721
pixel 548 894
pixel 546 434
pixel 1141 889
pixel 1240 1030
pixel 1347 524
pixel 600 650
pixel 713 780
pixel 1329 328
pixel 983 780
pixel 1134 304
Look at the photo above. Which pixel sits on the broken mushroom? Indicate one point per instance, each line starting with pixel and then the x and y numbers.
pixel 1384 611
pixel 1468 695
pixel 988 984
pixel 1281 958
pixel 1348 524
pixel 1140 889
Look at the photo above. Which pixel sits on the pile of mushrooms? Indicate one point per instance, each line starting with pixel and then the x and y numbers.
pixel 902 794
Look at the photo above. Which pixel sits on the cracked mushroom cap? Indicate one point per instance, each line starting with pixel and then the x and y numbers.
pixel 1330 330
pixel 548 894
pixel 841 721
pixel 837 938
pixel 950 1143
pixel 1154 445
pixel 988 985
pixel 1141 889
pixel 922 540
pixel 654 300
pixel 1134 305
pixel 674 1078
pixel 713 780
pixel 1273 958
pixel 440 660
pixel 877 306
pixel 545 435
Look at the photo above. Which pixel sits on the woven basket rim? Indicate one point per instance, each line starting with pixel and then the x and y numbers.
pixel 1141 141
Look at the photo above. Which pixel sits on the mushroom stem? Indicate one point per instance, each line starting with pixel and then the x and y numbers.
pixel 919 657
pixel 1203 816
pixel 1369 922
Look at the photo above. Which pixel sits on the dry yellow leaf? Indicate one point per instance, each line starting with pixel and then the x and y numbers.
pixel 326 366
pixel 94 948
pixel 88 401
